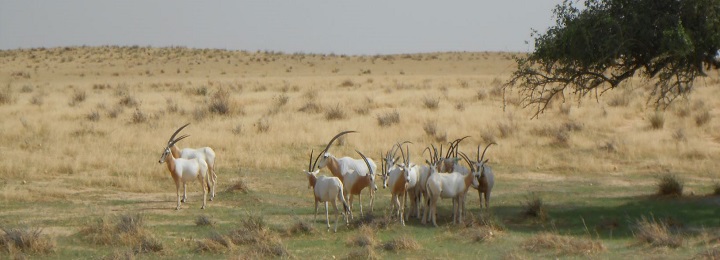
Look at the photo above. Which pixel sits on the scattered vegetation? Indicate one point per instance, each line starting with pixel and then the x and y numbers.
pixel 334 113
pixel 25 240
pixel 656 233
pixel 403 242
pixel 669 185
pixel 204 220
pixel 563 245
pixel 533 207
pixel 657 120
pixel 702 118
pixel 388 119
pixel 431 103
pixel 220 102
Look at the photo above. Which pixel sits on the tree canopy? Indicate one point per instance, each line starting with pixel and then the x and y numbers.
pixel 593 49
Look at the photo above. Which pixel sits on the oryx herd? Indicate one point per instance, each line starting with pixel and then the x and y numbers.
pixel 441 176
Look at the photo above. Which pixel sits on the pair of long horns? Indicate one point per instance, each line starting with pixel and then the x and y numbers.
pixel 479 157
pixel 174 140
pixel 453 149
pixel 312 166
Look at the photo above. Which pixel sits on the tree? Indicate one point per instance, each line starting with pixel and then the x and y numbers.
pixel 596 48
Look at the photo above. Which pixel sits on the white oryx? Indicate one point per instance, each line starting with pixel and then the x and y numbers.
pixel 485 175
pixel 447 185
pixel 402 179
pixel 205 153
pixel 451 162
pixel 326 189
pixel 185 170
pixel 354 173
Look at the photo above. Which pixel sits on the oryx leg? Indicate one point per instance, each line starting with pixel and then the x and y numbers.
pixel 177 189
pixel 337 215
pixel 316 208
pixel 402 208
pixel 184 197
pixel 203 188
pixel 327 216
pixel 213 181
pixel 360 203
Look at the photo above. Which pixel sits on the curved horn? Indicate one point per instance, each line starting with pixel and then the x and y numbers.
pixel 310 166
pixel 176 132
pixel 407 148
pixel 403 155
pixel 366 162
pixel 382 164
pixel 483 154
pixel 464 156
pixel 457 144
pixel 177 140
pixel 330 143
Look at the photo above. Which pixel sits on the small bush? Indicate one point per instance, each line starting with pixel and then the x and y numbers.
pixel 534 207
pixel 481 94
pixel 620 100
pixel 302 227
pixel 93 116
pixel 388 119
pixel 6 96
pixel 237 130
pixel 563 245
pixel 431 103
pixel 139 117
pixel 204 220
pixel 506 129
pixel 363 253
pixel 365 238
pixel 128 101
pixel 172 106
pixel 263 125
pixel 347 83
pixel 281 100
pixel 702 118
pixel 26 240
pixel 220 102
pixel 310 107
pixel 77 98
pixel 657 120
pixel 430 128
pixel 239 186
pixel 656 233
pixel 669 185
pixel 37 99
pixel 148 245
pixel 334 113
pixel 679 135
pixel 403 242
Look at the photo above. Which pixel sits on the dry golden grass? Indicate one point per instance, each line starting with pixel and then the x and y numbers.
pixel 83 124
pixel 563 245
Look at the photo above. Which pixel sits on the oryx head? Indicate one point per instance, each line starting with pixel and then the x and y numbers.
pixel 477 167
pixel 451 157
pixel 324 155
pixel 172 142
pixel 406 165
pixel 371 174
pixel 311 172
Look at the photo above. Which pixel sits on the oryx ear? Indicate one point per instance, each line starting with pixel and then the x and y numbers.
pixel 486 160
pixel 456 159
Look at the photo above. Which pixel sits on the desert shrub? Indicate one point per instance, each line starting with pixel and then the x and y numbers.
pixel 172 106
pixel 199 91
pixel 6 96
pixel 363 253
pixel 561 138
pixel 204 220
pixel 220 102
pixel 148 245
pixel 127 230
pixel 347 83
pixel 334 113
pixel 93 116
pixel 669 185
pixel 128 101
pixel 679 135
pixel 430 128
pixel 431 103
pixel 657 120
pixel 702 118
pixel 655 233
pixel 26 240
pixel 621 100
pixel 263 125
pixel 533 207
pixel 388 119
pixel 481 94
pixel 365 238
pixel 37 99
pixel 138 117
pixel 24 89
pixel 239 186
pixel 563 245
pixel 310 107
pixel 403 242
pixel 301 227
pixel 237 130
pixel 77 97
pixel 506 129
pixel 281 100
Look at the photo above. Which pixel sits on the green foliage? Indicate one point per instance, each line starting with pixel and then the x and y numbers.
pixel 595 48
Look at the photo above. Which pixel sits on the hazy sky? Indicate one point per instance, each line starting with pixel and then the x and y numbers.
pixel 311 26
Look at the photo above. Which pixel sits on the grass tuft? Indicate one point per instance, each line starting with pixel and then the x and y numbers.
pixel 431 103
pixel 669 185
pixel 26 240
pixel 702 118
pixel 563 245
pixel 239 186
pixel 656 233
pixel 365 238
pixel 334 113
pixel 388 119
pixel 302 227
pixel 363 253
pixel 403 242
pixel 534 208
pixel 203 221
pixel 220 102
pixel 657 120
